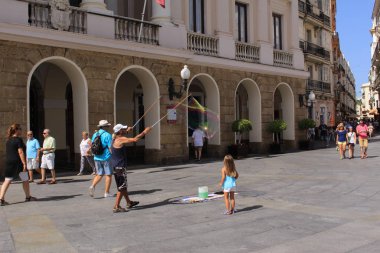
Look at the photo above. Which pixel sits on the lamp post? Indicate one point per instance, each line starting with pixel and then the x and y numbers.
pixel 310 103
pixel 185 75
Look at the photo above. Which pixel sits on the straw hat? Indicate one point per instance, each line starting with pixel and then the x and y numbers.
pixel 104 123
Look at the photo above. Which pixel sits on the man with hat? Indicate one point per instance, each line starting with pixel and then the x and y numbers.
pixel 362 132
pixel 102 161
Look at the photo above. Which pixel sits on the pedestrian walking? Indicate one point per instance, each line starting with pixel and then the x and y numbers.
pixel 101 148
pixel 48 157
pixel 119 164
pixel 351 137
pixel 370 130
pixel 32 154
pixel 341 140
pixel 15 163
pixel 86 155
pixel 228 183
pixel 198 141
pixel 362 133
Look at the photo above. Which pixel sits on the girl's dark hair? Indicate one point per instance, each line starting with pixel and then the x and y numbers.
pixel 12 130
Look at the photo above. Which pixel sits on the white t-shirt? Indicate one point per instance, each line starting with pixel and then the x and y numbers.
pixel 84 146
pixel 198 136
pixel 351 137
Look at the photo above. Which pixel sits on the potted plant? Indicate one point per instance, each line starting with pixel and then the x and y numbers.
pixel 240 149
pixel 276 127
pixel 305 124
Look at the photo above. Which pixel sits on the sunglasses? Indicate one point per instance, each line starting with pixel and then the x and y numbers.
pixel 44 133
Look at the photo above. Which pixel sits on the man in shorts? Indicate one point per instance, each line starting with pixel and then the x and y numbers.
pixel 362 133
pixel 102 164
pixel 48 156
pixel 198 140
pixel 32 154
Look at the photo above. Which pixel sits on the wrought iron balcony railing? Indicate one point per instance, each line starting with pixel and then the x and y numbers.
pixel 314 12
pixel 310 48
pixel 320 86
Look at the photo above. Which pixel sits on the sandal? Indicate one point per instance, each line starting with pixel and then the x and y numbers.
pixel 227 212
pixel 53 182
pixel 132 204
pixel 3 202
pixel 119 210
pixel 30 198
pixel 41 182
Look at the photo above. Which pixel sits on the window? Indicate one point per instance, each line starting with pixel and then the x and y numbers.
pixel 241 22
pixel 196 14
pixel 308 35
pixel 277 28
pixel 75 3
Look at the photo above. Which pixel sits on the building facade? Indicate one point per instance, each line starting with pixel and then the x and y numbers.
pixel 67 67
pixel 374 73
pixel 369 102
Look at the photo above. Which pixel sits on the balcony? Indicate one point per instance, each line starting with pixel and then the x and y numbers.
pixel 247 52
pixel 282 59
pixel 375 57
pixel 315 13
pixel 318 86
pixel 202 44
pixel 129 29
pixel 310 48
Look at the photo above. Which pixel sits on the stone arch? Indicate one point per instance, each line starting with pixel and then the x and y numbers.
pixel 287 106
pixel 212 101
pixel 254 108
pixel 151 93
pixel 79 95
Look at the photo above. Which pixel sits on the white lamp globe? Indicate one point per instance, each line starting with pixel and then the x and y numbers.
pixel 311 96
pixel 185 73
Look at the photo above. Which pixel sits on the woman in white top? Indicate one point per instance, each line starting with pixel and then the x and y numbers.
pixel 351 137
pixel 85 151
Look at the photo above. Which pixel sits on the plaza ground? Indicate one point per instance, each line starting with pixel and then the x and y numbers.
pixel 298 202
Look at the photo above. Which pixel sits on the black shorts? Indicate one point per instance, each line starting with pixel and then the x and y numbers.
pixel 120 174
pixel 351 144
pixel 12 169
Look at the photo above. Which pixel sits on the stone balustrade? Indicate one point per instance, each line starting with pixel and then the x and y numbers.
pixel 129 29
pixel 282 59
pixel 202 44
pixel 247 52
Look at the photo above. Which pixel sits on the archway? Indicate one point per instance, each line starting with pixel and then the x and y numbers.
pixel 205 90
pixel 248 106
pixel 57 99
pixel 283 100
pixel 136 89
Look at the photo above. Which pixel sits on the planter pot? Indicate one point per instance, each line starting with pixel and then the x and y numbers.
pixel 275 148
pixel 305 145
pixel 238 150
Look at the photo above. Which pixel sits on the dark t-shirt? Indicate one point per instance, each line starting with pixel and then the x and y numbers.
pixel 12 146
pixel 342 135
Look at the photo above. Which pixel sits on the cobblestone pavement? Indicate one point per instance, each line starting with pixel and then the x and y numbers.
pixel 299 202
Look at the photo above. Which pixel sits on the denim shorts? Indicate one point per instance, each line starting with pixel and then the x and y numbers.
pixel 103 168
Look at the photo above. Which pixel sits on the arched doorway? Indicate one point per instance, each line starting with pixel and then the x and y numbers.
pixel 205 90
pixel 57 99
pixel 283 100
pixel 136 89
pixel 248 106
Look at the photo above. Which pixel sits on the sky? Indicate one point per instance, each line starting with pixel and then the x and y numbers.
pixel 353 25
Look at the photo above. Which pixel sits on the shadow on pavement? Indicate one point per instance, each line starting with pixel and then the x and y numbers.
pixel 249 208
pixel 170 169
pixel 153 205
pixel 57 198
pixel 70 180
pixel 143 192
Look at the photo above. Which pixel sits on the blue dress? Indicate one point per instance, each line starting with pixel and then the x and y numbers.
pixel 229 182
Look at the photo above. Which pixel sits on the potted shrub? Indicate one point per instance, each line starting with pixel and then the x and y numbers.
pixel 305 124
pixel 276 127
pixel 240 127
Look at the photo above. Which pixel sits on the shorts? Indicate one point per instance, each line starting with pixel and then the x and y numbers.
pixel 24 177
pixel 12 169
pixel 120 174
pixel 351 144
pixel 342 143
pixel 32 164
pixel 103 168
pixel 232 189
pixel 198 147
pixel 363 142
pixel 47 161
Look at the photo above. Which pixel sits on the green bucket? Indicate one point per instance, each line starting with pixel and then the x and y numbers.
pixel 203 192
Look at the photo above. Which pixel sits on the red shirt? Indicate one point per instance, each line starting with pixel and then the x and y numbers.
pixel 362 131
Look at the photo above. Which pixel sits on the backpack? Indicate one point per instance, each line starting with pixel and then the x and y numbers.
pixel 97 146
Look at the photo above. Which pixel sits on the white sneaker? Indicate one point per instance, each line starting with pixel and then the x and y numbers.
pixel 108 195
pixel 79 174
pixel 91 191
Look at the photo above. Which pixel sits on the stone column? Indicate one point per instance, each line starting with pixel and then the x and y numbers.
pixel 298 56
pixel 263 27
pixel 161 15
pixel 95 6
pixel 223 27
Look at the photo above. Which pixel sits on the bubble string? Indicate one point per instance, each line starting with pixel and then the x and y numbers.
pixel 179 103
pixel 146 112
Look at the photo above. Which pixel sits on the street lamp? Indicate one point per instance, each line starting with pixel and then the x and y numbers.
pixel 185 75
pixel 310 102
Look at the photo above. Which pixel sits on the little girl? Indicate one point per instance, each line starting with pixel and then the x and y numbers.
pixel 228 183
pixel 351 137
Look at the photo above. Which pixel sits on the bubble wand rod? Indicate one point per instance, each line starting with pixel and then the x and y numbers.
pixel 179 103
pixel 146 112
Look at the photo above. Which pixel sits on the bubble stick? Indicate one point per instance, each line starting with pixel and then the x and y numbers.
pixel 146 112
